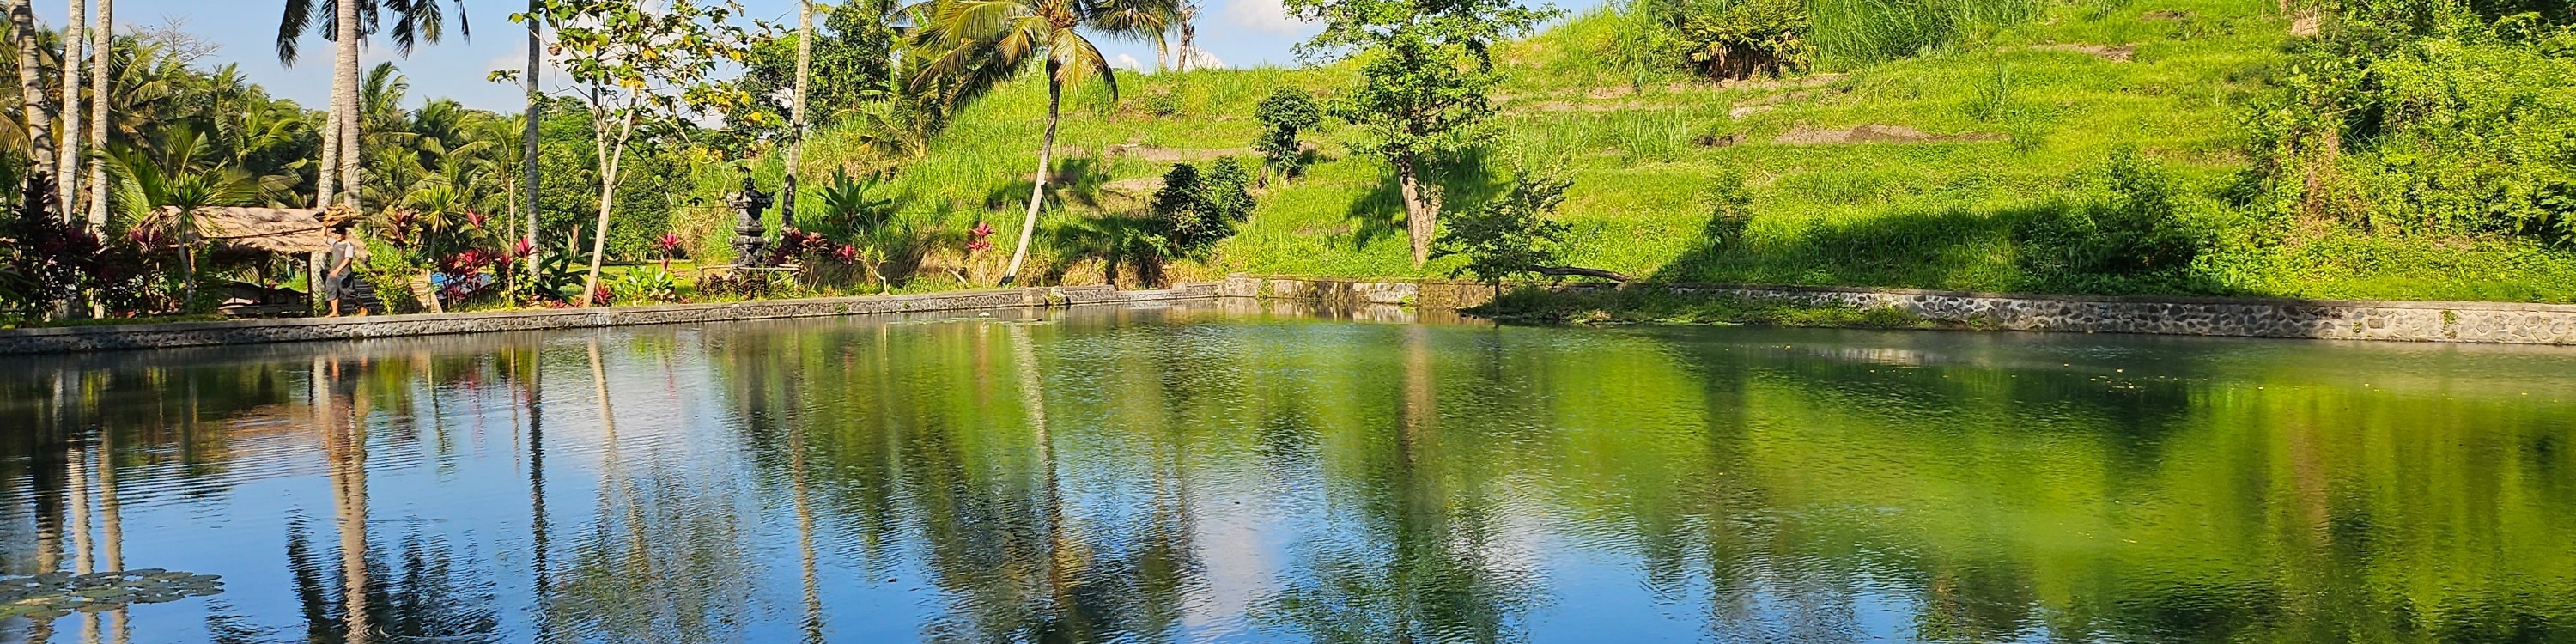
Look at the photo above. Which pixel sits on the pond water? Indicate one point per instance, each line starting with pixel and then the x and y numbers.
pixel 1203 475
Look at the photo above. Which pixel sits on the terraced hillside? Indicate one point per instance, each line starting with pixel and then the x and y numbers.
pixel 1916 172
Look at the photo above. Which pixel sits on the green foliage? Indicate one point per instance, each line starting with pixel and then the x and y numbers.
pixel 2135 225
pixel 1193 211
pixel 1510 234
pixel 2425 117
pixel 645 285
pixel 1744 38
pixel 850 206
pixel 852 65
pixel 1426 69
pixel 1285 113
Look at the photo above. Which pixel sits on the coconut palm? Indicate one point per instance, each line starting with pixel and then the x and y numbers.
pixel 75 45
pixel 984 42
pixel 34 111
pixel 102 41
pixel 415 22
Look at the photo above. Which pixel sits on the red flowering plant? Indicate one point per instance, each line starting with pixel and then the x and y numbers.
pixel 670 245
pixel 979 239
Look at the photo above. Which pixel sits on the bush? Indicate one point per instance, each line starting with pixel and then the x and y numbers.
pixel 1283 115
pixel 1510 234
pixel 2133 223
pixel 2422 116
pixel 1193 211
pixel 648 284
pixel 1737 39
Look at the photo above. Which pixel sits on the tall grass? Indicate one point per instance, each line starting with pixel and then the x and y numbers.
pixel 1851 33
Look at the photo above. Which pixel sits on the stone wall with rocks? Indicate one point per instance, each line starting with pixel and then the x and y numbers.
pixel 2480 322
pixel 192 334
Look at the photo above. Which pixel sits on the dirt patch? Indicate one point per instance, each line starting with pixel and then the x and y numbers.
pixel 2113 53
pixel 2166 15
pixel 2307 24
pixel 1151 154
pixel 1803 135
pixel 1138 187
pixel 1742 111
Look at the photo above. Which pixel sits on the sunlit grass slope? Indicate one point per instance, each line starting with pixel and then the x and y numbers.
pixel 1954 145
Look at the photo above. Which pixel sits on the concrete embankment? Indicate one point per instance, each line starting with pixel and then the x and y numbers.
pixel 2470 322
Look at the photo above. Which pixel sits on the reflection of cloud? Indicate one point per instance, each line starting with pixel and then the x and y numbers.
pixel 1262 15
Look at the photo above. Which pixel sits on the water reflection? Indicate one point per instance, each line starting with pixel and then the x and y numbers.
pixel 1189 474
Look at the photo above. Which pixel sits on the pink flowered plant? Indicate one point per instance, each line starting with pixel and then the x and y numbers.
pixel 670 245
pixel 846 253
pixel 978 240
pixel 474 219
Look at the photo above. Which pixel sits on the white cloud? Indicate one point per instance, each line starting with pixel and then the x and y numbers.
pixel 1127 62
pixel 1199 58
pixel 1262 15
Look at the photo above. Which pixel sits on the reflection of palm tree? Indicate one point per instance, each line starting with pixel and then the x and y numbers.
pixel 345 445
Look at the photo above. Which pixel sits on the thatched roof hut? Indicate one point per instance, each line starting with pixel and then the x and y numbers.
pixel 283 231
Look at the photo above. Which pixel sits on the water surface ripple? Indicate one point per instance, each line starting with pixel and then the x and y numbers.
pixel 1188 474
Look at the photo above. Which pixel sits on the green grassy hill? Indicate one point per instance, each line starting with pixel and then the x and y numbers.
pixel 1912 172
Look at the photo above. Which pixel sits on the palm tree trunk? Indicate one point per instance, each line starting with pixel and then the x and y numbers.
pixel 31 94
pixel 1046 164
pixel 102 41
pixel 796 110
pixel 528 147
pixel 75 38
pixel 345 71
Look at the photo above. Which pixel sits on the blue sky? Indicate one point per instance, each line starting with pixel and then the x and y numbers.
pixel 1241 33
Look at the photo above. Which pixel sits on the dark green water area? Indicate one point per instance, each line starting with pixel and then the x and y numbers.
pixel 1201 475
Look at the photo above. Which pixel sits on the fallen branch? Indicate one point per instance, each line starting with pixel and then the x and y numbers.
pixel 1571 271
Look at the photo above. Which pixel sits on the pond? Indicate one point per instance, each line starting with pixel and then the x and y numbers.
pixel 1195 474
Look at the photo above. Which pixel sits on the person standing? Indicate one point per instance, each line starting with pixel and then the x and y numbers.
pixel 339 281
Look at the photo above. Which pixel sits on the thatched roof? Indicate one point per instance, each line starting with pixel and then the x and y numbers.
pixel 285 231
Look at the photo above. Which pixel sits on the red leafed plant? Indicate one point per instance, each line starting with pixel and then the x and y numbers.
pixel 979 239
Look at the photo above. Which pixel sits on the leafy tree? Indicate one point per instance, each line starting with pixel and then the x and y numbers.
pixel 979 43
pixel 1285 113
pixel 1426 69
pixel 637 70
pixel 852 63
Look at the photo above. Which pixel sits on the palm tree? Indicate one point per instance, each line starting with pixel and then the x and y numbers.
pixel 31 94
pixel 75 39
pixel 796 107
pixel 987 41
pixel 102 41
pixel 415 22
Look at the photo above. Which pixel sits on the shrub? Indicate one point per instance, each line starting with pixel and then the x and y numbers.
pixel 2132 223
pixel 1194 211
pixel 1736 39
pixel 2424 116
pixel 1510 234
pixel 646 285
pixel 1283 115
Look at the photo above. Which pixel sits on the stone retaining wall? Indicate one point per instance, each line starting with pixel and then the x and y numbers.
pixel 192 334
pixel 2478 322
